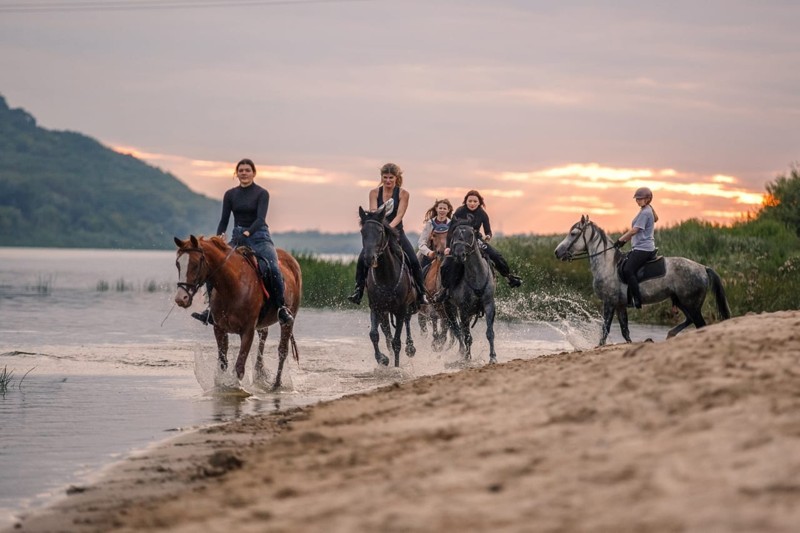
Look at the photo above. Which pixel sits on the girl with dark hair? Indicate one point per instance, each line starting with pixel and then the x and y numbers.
pixel 249 204
pixel 474 206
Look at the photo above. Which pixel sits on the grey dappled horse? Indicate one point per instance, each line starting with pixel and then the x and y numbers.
pixel 686 282
pixel 473 294
pixel 389 284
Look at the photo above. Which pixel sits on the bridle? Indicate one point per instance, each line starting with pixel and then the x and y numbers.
pixel 585 253
pixel 382 249
pixel 192 288
pixel 469 244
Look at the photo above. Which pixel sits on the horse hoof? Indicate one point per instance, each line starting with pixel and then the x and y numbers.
pixel 493 360
pixel 411 351
pixel 383 360
pixel 223 366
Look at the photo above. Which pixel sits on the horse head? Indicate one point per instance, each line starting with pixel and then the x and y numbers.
pixel 585 239
pixel 463 241
pixel 192 269
pixel 376 234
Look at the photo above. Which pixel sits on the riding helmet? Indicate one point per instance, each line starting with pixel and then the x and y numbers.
pixel 643 192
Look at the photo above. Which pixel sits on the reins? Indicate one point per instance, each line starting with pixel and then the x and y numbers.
pixel 585 254
pixel 192 288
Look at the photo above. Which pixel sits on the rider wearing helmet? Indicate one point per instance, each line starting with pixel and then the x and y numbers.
pixel 643 244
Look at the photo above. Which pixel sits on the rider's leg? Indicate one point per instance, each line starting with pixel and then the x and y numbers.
pixel 501 265
pixel 416 270
pixel 361 280
pixel 636 258
pixel 205 316
pixel 262 245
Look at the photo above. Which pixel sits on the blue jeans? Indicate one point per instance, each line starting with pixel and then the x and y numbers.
pixel 261 243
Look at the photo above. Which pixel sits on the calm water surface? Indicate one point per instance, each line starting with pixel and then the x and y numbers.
pixel 112 366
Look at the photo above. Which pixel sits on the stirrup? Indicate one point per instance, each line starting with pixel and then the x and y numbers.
pixel 285 316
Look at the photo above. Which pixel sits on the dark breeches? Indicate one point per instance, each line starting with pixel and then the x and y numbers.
pixel 636 258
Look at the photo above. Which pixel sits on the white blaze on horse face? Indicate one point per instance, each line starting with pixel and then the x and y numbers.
pixel 183 267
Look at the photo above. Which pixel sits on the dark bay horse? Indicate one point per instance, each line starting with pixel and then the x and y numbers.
pixel 389 286
pixel 686 282
pixel 436 313
pixel 237 297
pixel 473 294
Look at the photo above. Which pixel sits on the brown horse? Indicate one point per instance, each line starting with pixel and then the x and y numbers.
pixel 437 313
pixel 237 297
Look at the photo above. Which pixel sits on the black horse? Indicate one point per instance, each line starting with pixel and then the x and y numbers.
pixel 389 286
pixel 473 294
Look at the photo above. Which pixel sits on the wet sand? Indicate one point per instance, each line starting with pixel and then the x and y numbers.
pixel 699 433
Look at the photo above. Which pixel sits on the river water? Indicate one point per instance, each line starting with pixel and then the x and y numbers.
pixel 103 364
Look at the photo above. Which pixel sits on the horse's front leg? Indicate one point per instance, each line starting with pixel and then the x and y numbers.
pixel 222 347
pixel 452 325
pixel 397 342
pixel 608 316
pixel 411 350
pixel 244 349
pixel 489 310
pixel 260 375
pixel 387 330
pixel 375 338
pixel 466 333
pixel 622 317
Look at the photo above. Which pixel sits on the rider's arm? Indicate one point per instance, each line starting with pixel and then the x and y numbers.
pixel 226 214
pixel 373 199
pixel 424 238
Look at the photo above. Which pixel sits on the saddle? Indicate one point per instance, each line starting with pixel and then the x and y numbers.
pixel 261 267
pixel 655 268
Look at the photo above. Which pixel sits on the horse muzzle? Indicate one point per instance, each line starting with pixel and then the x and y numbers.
pixel 183 298
pixel 563 255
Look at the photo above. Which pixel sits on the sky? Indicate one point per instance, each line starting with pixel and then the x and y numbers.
pixel 551 109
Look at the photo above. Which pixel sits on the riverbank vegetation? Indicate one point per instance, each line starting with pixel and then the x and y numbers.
pixel 758 259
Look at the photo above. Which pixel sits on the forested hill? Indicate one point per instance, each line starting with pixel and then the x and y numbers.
pixel 64 189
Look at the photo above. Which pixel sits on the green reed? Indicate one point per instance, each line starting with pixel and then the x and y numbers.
pixel 326 283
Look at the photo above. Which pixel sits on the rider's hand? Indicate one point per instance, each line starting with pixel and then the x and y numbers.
pixel 487 238
pixel 619 243
pixel 431 254
pixel 447 251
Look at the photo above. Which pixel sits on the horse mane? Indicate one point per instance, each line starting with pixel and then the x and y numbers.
pixel 602 233
pixel 217 242
pixel 394 235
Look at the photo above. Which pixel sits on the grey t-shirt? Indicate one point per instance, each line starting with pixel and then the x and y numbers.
pixel 643 240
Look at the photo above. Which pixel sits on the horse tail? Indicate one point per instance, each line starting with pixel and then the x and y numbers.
pixel 295 352
pixel 719 294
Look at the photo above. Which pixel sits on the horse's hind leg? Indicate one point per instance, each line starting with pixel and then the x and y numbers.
pixel 489 311
pixel 411 351
pixel 387 330
pixel 622 317
pixel 690 316
pixel 283 351
pixel 397 338
pixel 222 348
pixel 608 317
pixel 375 338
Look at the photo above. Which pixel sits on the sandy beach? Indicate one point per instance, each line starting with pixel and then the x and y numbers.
pixel 698 433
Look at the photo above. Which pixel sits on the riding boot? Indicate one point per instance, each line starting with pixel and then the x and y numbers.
pixel 204 317
pixel 420 283
pixel 635 294
pixel 357 295
pixel 361 280
pixel 285 316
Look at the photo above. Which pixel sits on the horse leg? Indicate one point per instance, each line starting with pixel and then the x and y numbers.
pixel 283 351
pixel 696 315
pixel 683 325
pixel 260 375
pixel 396 339
pixel 467 334
pixel 375 338
pixel 387 331
pixel 608 317
pixel 452 326
pixel 411 350
pixel 489 310
pixel 246 340
pixel 622 317
pixel 222 347
pixel 423 319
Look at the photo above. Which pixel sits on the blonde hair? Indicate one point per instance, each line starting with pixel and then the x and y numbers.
pixel 394 170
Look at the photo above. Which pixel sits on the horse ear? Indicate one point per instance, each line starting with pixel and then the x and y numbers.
pixel 194 241
pixel 583 219
pixel 178 242
pixel 361 213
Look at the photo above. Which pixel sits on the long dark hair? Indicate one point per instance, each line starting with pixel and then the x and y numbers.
pixel 475 193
